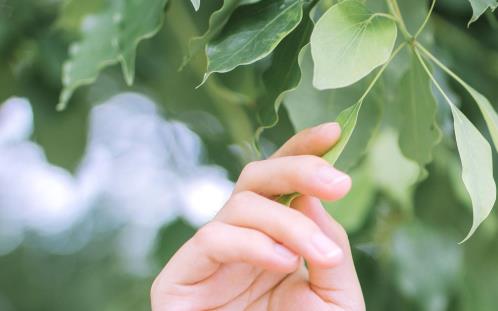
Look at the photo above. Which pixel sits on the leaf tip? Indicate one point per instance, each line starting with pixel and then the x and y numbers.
pixel 204 79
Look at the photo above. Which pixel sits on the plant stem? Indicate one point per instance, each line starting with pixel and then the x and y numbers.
pixel 431 76
pixel 394 9
pixel 381 71
pixel 421 28
pixel 439 63
pixel 288 198
pixel 390 16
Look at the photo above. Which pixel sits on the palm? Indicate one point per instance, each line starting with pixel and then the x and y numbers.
pixel 245 287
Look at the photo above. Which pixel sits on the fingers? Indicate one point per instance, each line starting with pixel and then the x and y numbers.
pixel 338 284
pixel 224 243
pixel 218 243
pixel 305 174
pixel 317 141
pixel 284 225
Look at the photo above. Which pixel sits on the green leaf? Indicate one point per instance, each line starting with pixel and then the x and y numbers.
pixel 475 155
pixel 284 73
pixel 73 12
pixel 351 211
pixel 347 119
pixel 308 107
pixel 139 20
pixel 252 33
pixel 108 38
pixel 196 4
pixel 391 171
pixel 348 42
pixel 216 22
pixel 488 112
pixel 477 168
pixel 480 6
pixel 417 109
pixel 87 57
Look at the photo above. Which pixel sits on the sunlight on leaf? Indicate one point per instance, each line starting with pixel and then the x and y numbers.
pixel 348 42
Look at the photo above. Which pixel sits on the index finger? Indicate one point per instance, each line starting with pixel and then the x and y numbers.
pixel 314 141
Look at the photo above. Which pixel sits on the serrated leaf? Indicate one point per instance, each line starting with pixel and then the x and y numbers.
pixel 419 132
pixel 480 6
pixel 216 22
pixel 284 73
pixel 108 38
pixel 87 57
pixel 140 20
pixel 477 168
pixel 196 4
pixel 348 42
pixel 252 33
pixel 72 13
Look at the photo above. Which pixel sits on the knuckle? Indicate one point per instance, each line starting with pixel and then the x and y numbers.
pixel 249 169
pixel 241 198
pixel 206 234
pixel 314 160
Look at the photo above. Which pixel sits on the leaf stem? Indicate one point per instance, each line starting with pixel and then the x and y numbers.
pixel 394 9
pixel 439 63
pixel 288 198
pixel 421 28
pixel 431 76
pixel 390 16
pixel 379 73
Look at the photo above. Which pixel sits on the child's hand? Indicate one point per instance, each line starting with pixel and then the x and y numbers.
pixel 250 257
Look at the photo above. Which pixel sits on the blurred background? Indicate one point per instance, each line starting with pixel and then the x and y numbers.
pixel 96 198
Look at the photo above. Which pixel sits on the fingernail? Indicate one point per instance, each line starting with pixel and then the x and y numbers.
pixel 284 252
pixel 327 127
pixel 326 247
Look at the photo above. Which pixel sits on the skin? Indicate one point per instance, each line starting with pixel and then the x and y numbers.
pixel 252 255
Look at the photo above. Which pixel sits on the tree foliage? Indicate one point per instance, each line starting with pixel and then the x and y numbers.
pixel 413 84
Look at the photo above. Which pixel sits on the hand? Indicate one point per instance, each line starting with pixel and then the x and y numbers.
pixel 251 256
